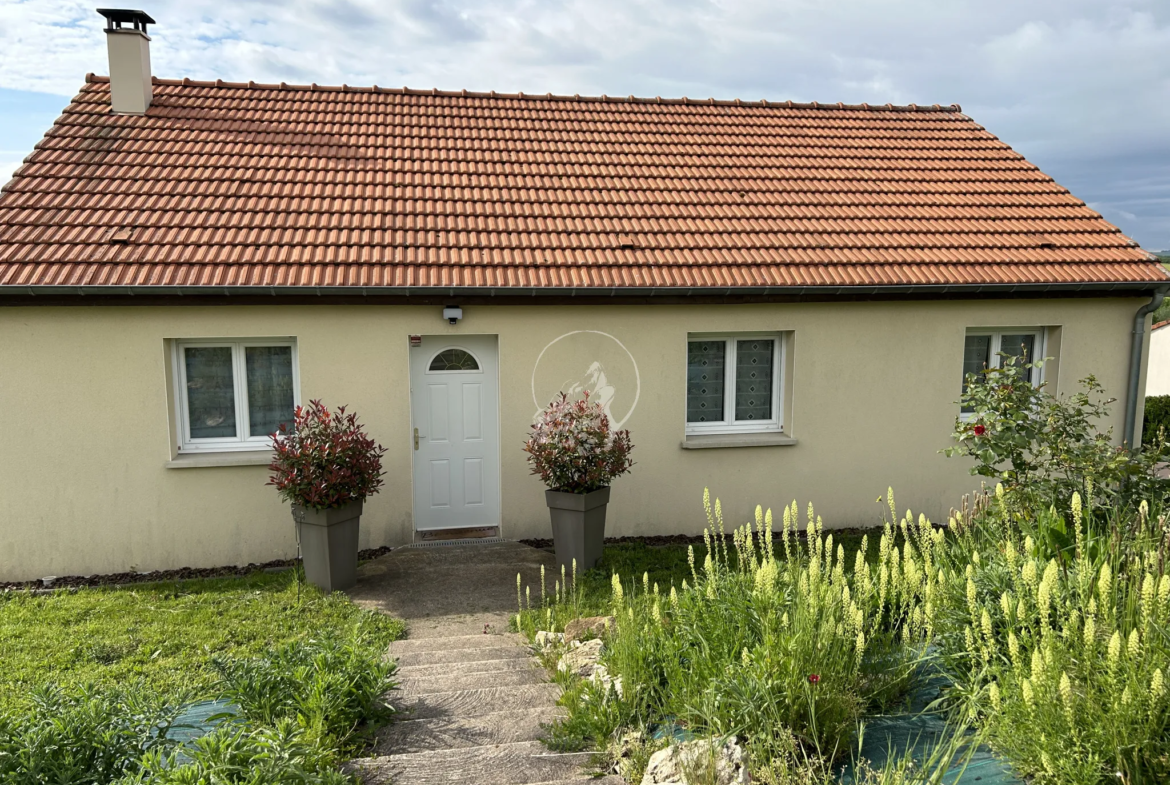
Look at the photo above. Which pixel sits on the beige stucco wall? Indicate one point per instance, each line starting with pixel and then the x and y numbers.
pixel 86 432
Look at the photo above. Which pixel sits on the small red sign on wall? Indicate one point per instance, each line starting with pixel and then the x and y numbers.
pixel 415 341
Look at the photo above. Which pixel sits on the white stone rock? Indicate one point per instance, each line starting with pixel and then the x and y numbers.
pixel 600 676
pixel 547 640
pixel 675 764
pixel 582 658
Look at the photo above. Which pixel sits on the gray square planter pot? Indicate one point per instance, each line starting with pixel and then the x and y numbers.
pixel 578 524
pixel 329 545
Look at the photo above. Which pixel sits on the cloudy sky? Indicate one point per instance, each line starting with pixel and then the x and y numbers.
pixel 1080 87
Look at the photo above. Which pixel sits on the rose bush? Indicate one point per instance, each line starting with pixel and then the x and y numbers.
pixel 326 460
pixel 572 449
pixel 1047 447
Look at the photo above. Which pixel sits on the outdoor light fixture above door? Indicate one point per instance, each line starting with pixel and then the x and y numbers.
pixel 452 314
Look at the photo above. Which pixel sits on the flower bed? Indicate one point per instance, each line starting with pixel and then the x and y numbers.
pixel 1059 658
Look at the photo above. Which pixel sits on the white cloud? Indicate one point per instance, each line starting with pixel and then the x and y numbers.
pixel 1079 86
pixel 8 165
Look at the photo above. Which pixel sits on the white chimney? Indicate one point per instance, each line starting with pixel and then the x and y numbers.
pixel 129 47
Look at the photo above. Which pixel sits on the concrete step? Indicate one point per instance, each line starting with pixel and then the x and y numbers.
pixel 475 703
pixel 439 658
pixel 451 625
pixel 500 727
pixel 517 763
pixel 508 555
pixel 424 685
pixel 467 668
pixel 456 642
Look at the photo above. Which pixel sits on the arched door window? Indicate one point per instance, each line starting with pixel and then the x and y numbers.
pixel 453 360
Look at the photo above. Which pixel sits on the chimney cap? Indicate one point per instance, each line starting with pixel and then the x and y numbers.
pixel 116 17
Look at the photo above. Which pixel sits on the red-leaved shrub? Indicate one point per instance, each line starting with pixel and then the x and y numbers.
pixel 572 449
pixel 326 460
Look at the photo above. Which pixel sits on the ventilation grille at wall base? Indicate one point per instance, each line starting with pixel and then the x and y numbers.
pixel 464 541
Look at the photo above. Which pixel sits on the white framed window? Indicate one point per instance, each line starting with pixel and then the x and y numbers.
pixel 452 359
pixel 231 394
pixel 982 348
pixel 733 383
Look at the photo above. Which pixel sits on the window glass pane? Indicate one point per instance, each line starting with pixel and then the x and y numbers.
pixel 270 388
pixel 705 364
pixel 1019 346
pixel 453 360
pixel 211 395
pixel 976 356
pixel 753 379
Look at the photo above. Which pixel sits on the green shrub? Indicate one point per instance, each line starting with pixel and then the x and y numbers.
pixel 86 736
pixel 1157 417
pixel 303 705
pixel 243 755
pixel 1044 447
pixel 330 686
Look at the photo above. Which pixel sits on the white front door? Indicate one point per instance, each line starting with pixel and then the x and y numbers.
pixel 454 395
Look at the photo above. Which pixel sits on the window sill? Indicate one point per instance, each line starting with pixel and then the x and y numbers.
pixel 716 440
pixel 195 460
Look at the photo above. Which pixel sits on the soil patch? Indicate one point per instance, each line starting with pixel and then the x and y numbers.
pixel 164 576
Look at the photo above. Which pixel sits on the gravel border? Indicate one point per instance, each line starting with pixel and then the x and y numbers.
pixel 166 576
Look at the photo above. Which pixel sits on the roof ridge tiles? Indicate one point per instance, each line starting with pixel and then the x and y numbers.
pixel 92 78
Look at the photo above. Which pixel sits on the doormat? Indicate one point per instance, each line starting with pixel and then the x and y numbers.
pixel 464 541
pixel 481 532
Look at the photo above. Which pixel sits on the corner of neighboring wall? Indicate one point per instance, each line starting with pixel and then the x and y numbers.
pixel 1140 410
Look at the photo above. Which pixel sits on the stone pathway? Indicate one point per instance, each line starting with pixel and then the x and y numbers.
pixel 472 696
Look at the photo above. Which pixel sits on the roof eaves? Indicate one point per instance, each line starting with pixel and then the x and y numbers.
pixel 943 290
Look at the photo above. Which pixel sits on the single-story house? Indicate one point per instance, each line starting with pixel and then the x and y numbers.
pixel 778 300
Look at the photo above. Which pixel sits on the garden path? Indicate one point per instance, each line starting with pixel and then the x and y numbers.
pixel 473 697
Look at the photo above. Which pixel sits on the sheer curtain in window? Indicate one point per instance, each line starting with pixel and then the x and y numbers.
pixel 211 392
pixel 270 388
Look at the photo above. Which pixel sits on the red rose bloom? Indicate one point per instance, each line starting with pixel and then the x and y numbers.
pixel 813 678
pixel 979 430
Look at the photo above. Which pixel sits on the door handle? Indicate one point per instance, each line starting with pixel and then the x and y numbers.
pixel 416 438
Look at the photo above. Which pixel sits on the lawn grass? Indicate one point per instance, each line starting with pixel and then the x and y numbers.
pixel 162 634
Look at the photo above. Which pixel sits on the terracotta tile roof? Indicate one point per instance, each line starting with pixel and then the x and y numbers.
pixel 275 185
